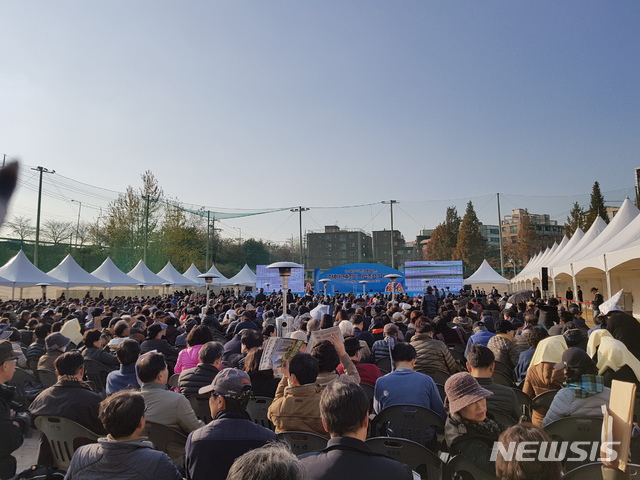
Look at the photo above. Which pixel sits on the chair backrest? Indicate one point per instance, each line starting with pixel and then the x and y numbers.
pixel 459 467
pixel 544 399
pixel 384 363
pixel 458 355
pixel 173 380
pixel 200 407
pixel 368 389
pixel 303 442
pixel 438 376
pixel 593 471
pixel 575 429
pixel 408 421
pixel 167 440
pixel 47 378
pixel 502 379
pixel 27 386
pixel 524 401
pixel 503 368
pixel 441 391
pixel 502 418
pixel 419 458
pixel 258 409
pixel 97 373
pixel 65 437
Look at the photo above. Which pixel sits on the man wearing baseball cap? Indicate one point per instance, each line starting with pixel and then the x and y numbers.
pixel 231 433
pixel 10 426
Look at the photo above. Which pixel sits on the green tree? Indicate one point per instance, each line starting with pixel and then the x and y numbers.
pixel 575 220
pixel 596 207
pixel 444 238
pixel 256 252
pixel 528 242
pixel 183 237
pixel 471 244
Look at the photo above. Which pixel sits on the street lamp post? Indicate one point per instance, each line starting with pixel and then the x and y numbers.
pixel 284 270
pixel 208 278
pixel 364 286
pixel 324 282
pixel 44 286
pixel 393 277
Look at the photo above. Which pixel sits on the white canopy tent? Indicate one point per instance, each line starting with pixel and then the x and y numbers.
pixel 244 277
pixel 172 276
pixel 73 275
pixel 192 274
pixel 112 275
pixel 485 278
pixel 145 276
pixel 220 279
pixel 20 272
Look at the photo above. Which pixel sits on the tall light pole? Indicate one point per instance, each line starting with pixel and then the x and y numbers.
pixel 393 277
pixel 364 286
pixel 284 270
pixel 146 228
pixel 300 210
pixel 78 224
pixel 390 203
pixel 324 282
pixel 35 252
pixel 208 278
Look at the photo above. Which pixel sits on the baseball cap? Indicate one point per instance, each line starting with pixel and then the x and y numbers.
pixel 574 358
pixel 230 382
pixel 6 351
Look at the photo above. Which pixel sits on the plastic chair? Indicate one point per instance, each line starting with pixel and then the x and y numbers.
pixel 409 421
pixel 47 378
pixel 258 409
pixel 97 373
pixel 441 391
pixel 368 389
pixel 27 386
pixel 65 437
pixel 459 467
pixel 503 368
pixel 200 407
pixel 384 363
pixel 593 471
pixel 173 380
pixel 458 355
pixel 303 442
pixel 167 440
pixel 575 429
pixel 438 376
pixel 502 418
pixel 524 401
pixel 419 458
pixel 502 379
pixel 543 400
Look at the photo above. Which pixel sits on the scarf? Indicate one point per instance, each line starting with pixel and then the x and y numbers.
pixel 488 428
pixel 588 386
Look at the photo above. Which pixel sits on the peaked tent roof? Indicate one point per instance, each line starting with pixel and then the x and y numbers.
pixel 20 272
pixel 221 280
pixel 113 275
pixel 73 275
pixel 171 275
pixel 192 274
pixel 486 274
pixel 243 277
pixel 143 274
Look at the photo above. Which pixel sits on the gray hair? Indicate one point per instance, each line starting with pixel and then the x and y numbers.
pixel 274 461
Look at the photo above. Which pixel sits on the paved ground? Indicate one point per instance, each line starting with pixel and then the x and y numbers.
pixel 27 454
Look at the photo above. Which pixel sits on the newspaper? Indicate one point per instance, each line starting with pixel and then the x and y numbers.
pixel 277 350
pixel 322 335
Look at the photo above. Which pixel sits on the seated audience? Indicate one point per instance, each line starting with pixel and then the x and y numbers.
pixel 94 349
pixel 123 454
pixel 503 344
pixel 127 354
pixel 468 431
pixel 534 336
pixel 273 461
pixel 382 348
pixel 330 354
pixel 432 354
pixel 263 382
pixel 368 372
pixel 188 358
pixel 56 344
pixel 230 434
pixel 481 336
pixel 616 362
pixel 345 415
pixel 193 379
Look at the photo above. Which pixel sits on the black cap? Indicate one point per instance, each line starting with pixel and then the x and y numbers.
pixel 575 358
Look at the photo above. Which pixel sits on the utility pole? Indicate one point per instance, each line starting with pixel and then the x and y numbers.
pixel 206 258
pixel 35 252
pixel 146 228
pixel 78 224
pixel 393 260
pixel 500 233
pixel 300 210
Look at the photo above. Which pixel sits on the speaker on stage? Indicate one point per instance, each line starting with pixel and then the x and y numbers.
pixel 545 278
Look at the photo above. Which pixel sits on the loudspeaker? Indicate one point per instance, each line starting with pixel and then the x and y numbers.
pixel 545 278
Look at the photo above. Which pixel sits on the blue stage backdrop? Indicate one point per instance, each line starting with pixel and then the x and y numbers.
pixel 346 278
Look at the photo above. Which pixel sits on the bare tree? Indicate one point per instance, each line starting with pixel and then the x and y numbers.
pixel 22 228
pixel 57 231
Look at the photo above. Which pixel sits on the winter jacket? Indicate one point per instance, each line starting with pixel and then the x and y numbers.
pixel 297 409
pixel 229 435
pixel 169 408
pixel 505 350
pixel 381 349
pixel 566 404
pixel 541 378
pixel 102 356
pixel 351 375
pixel 433 355
pixel 503 398
pixel 575 338
pixel 187 358
pixel 471 443
pixel 191 380
pixel 109 459
pixel 11 438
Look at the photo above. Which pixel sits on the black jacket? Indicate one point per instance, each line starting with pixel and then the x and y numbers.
pixel 474 445
pixel 346 456
pixel 11 438
pixel 192 379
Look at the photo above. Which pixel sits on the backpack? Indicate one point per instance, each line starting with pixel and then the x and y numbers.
pixel 40 472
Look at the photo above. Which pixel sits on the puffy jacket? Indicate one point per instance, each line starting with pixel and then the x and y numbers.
pixel 432 355
pixel 503 398
pixel 566 404
pixel 121 460
pixel 187 358
pixel 541 378
pixel 471 443
pixel 505 350
pixel 297 408
pixel 193 379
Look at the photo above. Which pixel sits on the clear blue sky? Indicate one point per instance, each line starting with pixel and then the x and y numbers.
pixel 240 104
